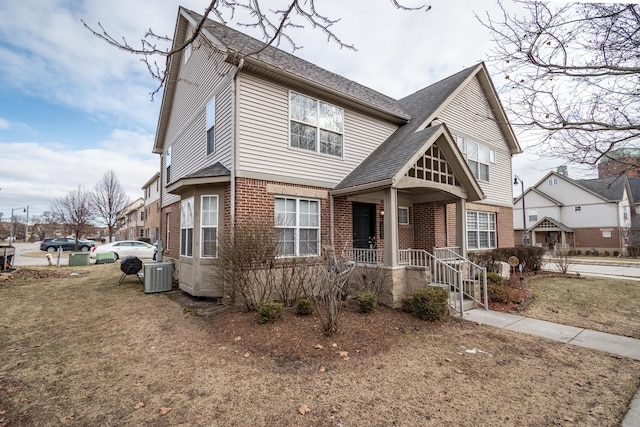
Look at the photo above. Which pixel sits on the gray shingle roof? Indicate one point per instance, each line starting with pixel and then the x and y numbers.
pixel 271 56
pixel 634 183
pixel 387 160
pixel 393 153
pixel 611 189
pixel 210 171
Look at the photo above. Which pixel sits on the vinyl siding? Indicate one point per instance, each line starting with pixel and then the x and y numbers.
pixel 469 115
pixel 201 78
pixel 263 137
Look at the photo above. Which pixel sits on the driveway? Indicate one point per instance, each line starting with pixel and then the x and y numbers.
pixel 22 248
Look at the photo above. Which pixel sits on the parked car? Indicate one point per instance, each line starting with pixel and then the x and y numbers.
pixel 125 248
pixel 66 243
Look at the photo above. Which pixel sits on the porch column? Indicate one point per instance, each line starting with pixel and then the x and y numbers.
pixel 390 227
pixel 563 239
pixel 461 226
pixel 532 233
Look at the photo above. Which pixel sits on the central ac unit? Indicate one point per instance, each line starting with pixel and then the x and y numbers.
pixel 158 277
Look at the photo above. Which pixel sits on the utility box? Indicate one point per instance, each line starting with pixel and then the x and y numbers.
pixel 77 259
pixel 105 258
pixel 158 277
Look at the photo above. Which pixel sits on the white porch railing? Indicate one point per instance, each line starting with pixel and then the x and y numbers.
pixel 364 256
pixel 464 279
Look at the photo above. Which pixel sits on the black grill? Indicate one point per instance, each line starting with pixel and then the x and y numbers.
pixel 130 265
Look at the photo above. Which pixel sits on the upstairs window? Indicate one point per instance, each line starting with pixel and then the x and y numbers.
pixel 167 164
pixel 479 157
pixel 211 126
pixel 577 208
pixel 533 215
pixel 553 181
pixel 315 125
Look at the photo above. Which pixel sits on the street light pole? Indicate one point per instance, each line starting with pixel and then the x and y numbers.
pixel 11 225
pixel 516 178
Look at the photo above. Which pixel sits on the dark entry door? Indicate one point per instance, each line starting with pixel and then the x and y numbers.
pixel 364 229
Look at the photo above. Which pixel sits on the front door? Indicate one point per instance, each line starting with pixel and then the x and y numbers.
pixel 364 230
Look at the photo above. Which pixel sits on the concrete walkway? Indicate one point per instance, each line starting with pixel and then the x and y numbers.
pixel 614 344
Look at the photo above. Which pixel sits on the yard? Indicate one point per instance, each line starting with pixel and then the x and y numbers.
pixel 80 350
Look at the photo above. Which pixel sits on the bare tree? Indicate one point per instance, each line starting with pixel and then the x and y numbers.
pixel 572 70
pixel 43 225
pixel 74 211
pixel 107 199
pixel 274 24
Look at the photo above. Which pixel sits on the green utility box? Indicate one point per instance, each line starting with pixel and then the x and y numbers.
pixel 105 258
pixel 77 259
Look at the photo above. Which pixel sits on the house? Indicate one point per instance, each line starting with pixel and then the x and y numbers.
pixel 269 136
pixel 151 191
pixel 583 214
pixel 132 220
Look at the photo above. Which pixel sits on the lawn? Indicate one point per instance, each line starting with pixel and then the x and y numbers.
pixel 80 350
pixel 601 304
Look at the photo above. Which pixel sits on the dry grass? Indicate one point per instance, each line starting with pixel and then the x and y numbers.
pixel 601 304
pixel 80 350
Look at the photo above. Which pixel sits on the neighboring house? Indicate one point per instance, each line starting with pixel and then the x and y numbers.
pixel 327 161
pixel 584 214
pixel 152 208
pixel 132 221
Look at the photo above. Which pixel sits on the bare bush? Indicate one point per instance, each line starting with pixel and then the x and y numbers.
pixel 245 263
pixel 369 278
pixel 563 259
pixel 328 291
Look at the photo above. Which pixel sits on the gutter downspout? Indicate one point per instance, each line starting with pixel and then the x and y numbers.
pixel 234 157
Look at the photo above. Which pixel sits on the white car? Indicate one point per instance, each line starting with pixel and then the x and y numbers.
pixel 126 248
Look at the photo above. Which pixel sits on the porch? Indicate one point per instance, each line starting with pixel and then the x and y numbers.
pixel 446 268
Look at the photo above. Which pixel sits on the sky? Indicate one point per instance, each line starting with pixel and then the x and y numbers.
pixel 72 107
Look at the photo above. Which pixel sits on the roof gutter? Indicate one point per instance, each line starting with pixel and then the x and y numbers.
pixel 364 187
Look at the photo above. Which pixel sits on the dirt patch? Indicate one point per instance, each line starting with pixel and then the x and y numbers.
pixel 85 351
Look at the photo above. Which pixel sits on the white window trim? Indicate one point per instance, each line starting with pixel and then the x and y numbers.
pixel 489 230
pixel 210 112
pixel 186 223
pixel 404 208
pixel 297 227
pixel 317 126
pixel 463 145
pixel 207 226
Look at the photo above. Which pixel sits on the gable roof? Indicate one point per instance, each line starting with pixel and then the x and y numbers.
pixel 235 43
pixel 548 222
pixel 208 175
pixel 426 104
pixel 634 183
pixel 388 163
pixel 540 193
pixel 611 189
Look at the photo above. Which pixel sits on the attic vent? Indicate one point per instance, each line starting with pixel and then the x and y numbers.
pixel 433 167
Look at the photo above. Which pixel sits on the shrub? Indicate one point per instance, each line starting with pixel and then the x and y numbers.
pixel 367 302
pixel 616 253
pixel 579 252
pixel 430 303
pixel 607 253
pixel 304 307
pixel 494 278
pixel 502 293
pixel 269 311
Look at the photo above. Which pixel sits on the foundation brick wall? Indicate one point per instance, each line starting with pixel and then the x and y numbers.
pixel 343 219
pixel 504 227
pixel 587 238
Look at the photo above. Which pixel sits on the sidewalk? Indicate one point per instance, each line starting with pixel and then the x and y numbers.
pixel 614 344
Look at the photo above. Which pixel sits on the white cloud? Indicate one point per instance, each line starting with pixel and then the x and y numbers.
pixel 35 174
pixel 4 124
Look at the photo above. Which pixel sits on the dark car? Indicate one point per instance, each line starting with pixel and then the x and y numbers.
pixel 66 243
